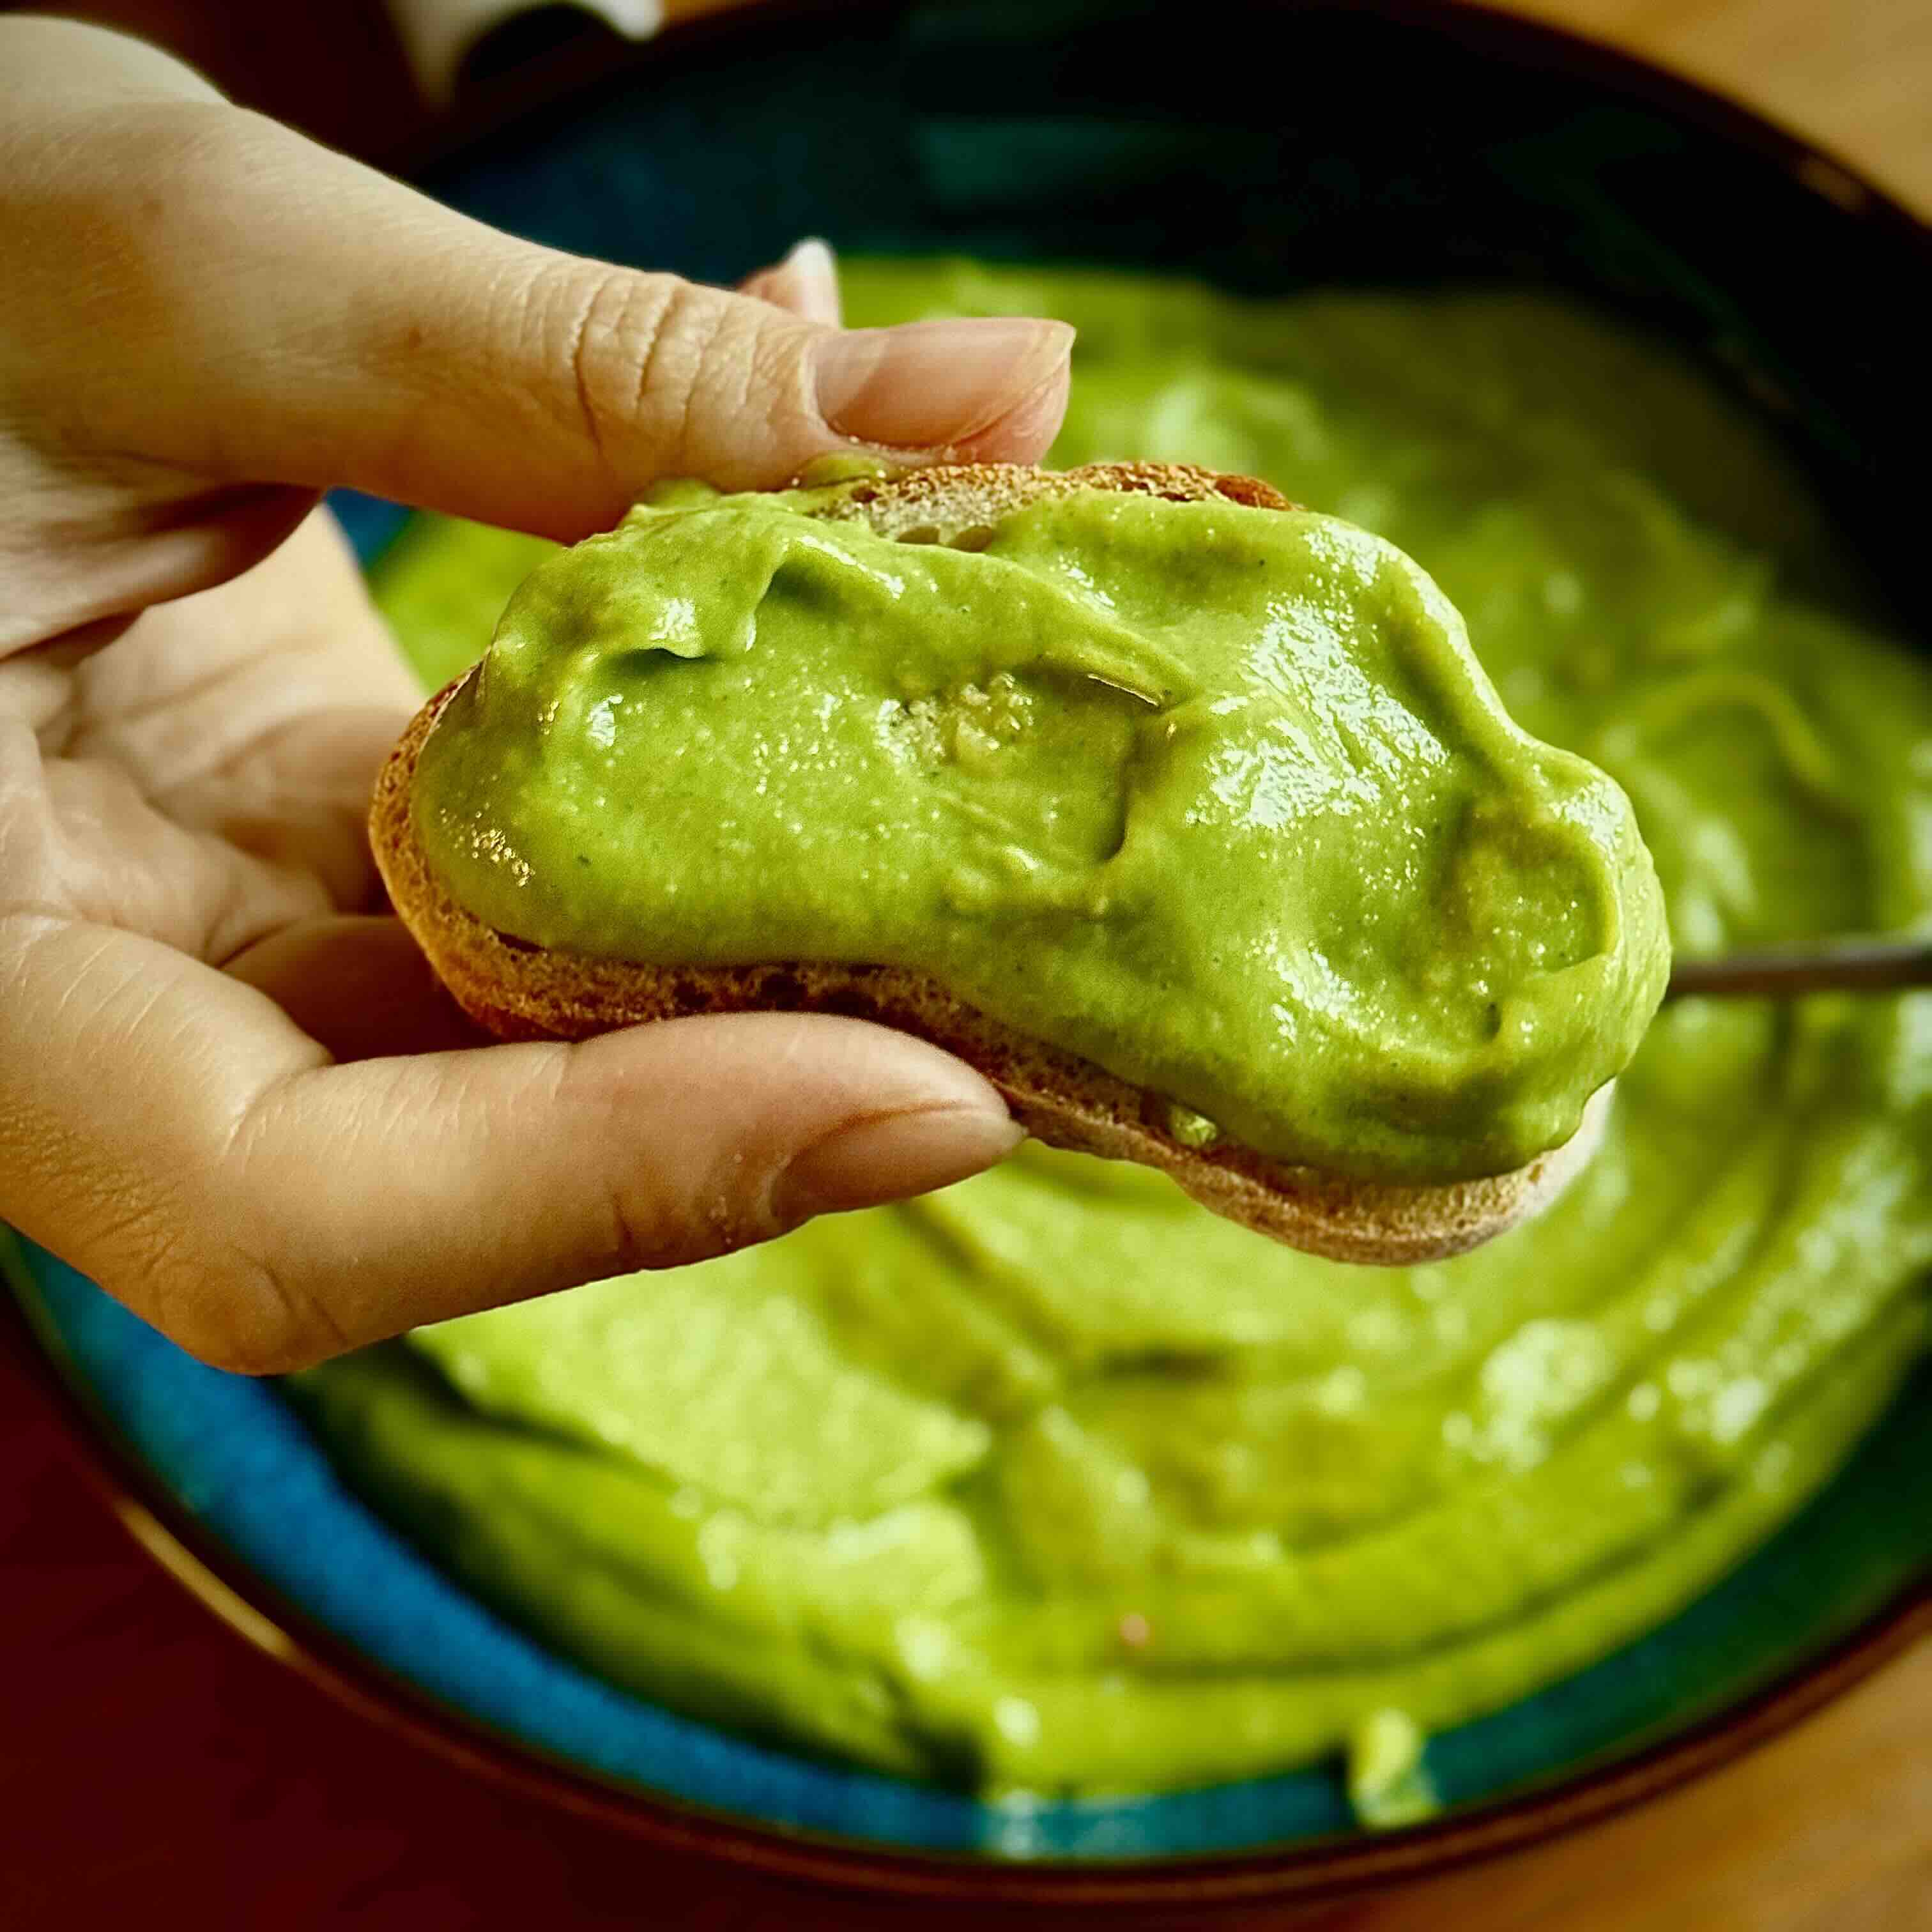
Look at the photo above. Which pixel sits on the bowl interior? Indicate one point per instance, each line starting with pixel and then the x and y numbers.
pixel 229 1454
pixel 1286 146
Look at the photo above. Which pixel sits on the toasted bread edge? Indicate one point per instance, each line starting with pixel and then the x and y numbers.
pixel 518 991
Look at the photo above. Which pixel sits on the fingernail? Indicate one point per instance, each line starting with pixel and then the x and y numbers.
pixel 887 1158
pixel 928 385
pixel 812 256
pixel 810 271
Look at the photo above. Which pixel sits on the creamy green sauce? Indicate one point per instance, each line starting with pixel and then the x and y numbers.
pixel 1217 797
pixel 1054 1481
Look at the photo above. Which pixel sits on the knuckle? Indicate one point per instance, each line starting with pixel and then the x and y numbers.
pixel 205 148
pixel 217 1291
pixel 641 1237
pixel 204 144
pixel 236 1310
pixel 661 369
pixel 149 209
pixel 692 1202
pixel 191 159
pixel 603 325
pixel 651 1227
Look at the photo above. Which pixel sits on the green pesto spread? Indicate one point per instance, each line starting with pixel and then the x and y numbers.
pixel 1055 1481
pixel 1217 797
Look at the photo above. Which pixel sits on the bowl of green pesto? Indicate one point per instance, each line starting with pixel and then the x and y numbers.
pixel 1049 1530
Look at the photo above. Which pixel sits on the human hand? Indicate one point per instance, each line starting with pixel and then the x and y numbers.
pixel 229 1090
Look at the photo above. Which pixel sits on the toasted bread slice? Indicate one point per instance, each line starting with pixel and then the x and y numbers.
pixel 520 991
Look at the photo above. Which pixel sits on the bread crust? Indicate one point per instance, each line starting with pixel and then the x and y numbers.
pixel 519 992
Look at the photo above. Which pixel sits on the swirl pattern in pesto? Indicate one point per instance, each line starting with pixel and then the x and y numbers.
pixel 1217 797
pixel 1166 1504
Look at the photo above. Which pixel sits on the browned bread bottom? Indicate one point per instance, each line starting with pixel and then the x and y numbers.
pixel 520 991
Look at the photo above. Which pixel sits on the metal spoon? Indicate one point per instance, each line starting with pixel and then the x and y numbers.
pixel 1831 966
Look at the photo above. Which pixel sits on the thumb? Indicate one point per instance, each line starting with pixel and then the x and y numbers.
pixel 262 310
pixel 173 1133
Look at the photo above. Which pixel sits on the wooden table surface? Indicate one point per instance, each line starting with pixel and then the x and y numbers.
pixel 151 1765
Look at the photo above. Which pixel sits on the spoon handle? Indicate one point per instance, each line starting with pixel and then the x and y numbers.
pixel 1843 966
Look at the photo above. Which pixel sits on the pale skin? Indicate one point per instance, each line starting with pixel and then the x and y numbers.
pixel 229 1089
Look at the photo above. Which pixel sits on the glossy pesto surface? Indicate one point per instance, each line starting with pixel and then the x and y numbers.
pixel 1217 797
